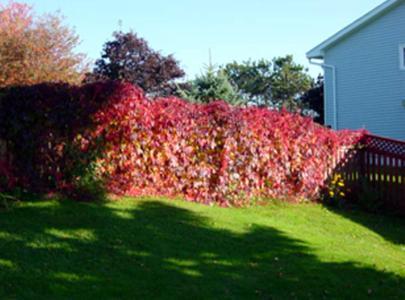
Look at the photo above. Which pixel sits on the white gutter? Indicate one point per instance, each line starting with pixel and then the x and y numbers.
pixel 333 68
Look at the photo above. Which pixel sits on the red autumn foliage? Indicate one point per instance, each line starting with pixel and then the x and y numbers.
pixel 213 153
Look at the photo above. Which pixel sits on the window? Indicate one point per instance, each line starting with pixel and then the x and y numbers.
pixel 402 57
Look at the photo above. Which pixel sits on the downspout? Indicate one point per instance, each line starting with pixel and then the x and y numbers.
pixel 333 68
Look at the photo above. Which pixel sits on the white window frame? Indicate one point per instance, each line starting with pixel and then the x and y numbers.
pixel 402 57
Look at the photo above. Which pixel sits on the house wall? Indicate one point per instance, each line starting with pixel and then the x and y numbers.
pixel 370 85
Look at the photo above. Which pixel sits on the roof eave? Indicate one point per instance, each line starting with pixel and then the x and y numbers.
pixel 315 54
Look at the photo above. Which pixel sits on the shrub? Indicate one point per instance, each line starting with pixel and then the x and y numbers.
pixel 213 153
pixel 7 183
pixel 41 125
pixel 7 179
pixel 335 191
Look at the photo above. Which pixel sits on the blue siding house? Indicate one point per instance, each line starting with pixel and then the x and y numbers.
pixel 364 66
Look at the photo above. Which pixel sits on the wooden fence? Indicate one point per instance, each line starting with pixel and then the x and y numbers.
pixel 374 171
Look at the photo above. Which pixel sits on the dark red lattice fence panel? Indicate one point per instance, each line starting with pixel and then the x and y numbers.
pixel 375 171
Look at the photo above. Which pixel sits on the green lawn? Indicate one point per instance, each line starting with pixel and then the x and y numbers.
pixel 151 248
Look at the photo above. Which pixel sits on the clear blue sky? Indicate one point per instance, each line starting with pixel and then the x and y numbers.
pixel 232 29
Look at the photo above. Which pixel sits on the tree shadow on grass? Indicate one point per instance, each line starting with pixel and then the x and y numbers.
pixel 156 250
pixel 390 227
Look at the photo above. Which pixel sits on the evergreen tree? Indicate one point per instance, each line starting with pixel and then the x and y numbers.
pixel 277 83
pixel 210 86
pixel 289 82
pixel 253 80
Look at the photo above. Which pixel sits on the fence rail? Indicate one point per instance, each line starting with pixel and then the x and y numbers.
pixel 375 172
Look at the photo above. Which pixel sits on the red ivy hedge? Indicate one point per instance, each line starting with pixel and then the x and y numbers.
pixel 213 153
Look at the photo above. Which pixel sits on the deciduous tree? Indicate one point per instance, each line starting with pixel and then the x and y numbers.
pixel 36 49
pixel 129 58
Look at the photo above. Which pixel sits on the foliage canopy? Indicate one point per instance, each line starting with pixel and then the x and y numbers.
pixel 129 58
pixel 35 49
pixel 277 83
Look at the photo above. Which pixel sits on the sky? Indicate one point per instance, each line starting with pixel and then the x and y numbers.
pixel 233 30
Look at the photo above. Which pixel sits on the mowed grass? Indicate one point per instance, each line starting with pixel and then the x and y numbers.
pixel 163 249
